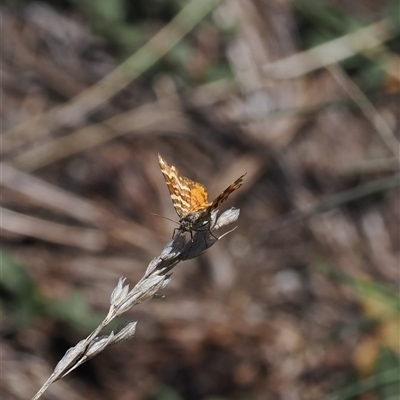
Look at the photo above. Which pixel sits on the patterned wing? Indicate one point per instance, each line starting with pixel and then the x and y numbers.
pixel 225 194
pixel 187 196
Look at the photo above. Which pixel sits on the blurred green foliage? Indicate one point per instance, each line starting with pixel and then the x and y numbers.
pixel 128 25
pixel 384 380
pixel 165 393
pixel 22 303
pixel 387 375
pixel 366 289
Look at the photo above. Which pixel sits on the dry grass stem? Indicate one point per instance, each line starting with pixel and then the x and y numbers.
pixel 182 247
pixel 88 239
pixel 335 201
pixel 331 52
pixel 76 109
pixel 374 165
pixel 385 132
pixel 76 207
pixel 50 195
pixel 141 120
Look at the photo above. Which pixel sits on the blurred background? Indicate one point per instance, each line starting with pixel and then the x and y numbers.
pixel 301 301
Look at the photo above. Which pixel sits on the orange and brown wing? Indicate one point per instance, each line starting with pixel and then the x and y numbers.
pixel 187 196
pixel 225 194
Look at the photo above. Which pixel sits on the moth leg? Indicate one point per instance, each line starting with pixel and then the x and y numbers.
pixel 174 232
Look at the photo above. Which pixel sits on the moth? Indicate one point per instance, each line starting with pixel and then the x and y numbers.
pixel 190 198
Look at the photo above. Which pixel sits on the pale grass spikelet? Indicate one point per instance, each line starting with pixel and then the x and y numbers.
pixel 125 332
pixel 70 357
pixel 119 292
pixel 98 345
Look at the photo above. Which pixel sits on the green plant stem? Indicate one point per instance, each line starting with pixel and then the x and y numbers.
pixel 375 381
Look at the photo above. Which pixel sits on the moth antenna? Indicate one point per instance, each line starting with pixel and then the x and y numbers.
pixel 169 219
